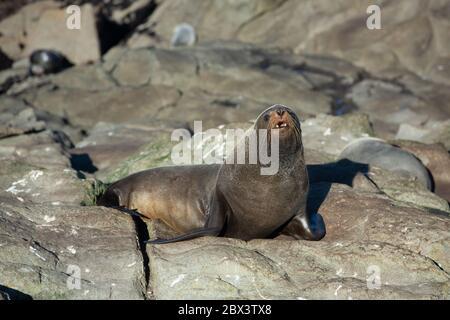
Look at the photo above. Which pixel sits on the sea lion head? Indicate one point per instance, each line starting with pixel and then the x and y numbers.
pixel 287 124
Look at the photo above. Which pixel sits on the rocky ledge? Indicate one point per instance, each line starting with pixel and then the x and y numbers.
pixel 63 135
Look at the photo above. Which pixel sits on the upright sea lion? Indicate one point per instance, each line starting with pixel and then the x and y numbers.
pixel 231 200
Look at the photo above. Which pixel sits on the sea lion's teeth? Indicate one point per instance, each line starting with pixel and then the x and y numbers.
pixel 277 126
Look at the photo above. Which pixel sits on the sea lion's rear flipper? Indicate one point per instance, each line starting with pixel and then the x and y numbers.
pixel 201 232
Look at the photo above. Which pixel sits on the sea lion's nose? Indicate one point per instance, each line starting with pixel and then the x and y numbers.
pixel 280 112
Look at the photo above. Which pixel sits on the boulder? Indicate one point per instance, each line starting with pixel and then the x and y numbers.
pixel 68 252
pixel 331 134
pixel 383 51
pixel 16 118
pixel 109 145
pixel 374 249
pixel 43 25
pixel 434 132
pixel 35 168
pixel 437 160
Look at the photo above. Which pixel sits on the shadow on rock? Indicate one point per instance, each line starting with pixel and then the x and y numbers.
pixel 322 176
pixel 82 162
pixel 12 294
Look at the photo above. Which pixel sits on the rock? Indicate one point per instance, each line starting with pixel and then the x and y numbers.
pixel 269 22
pixel 378 153
pixel 365 232
pixel 438 132
pixel 367 178
pixel 15 28
pixel 129 13
pixel 42 25
pixel 78 45
pixel 11 76
pixel 108 145
pixel 219 19
pixel 183 35
pixel 155 154
pixel 35 168
pixel 403 107
pixel 16 118
pixel 134 69
pixel 385 55
pixel 437 160
pixel 84 108
pixel 407 190
pixel 409 132
pixel 84 78
pixel 331 134
pixel 434 132
pixel 69 252
pixel 141 84
pixel 223 69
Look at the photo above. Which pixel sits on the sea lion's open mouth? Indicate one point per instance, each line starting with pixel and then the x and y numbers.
pixel 281 125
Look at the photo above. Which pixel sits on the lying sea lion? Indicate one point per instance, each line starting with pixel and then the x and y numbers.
pixel 230 200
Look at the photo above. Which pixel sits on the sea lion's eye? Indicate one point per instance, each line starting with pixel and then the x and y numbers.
pixel 266 117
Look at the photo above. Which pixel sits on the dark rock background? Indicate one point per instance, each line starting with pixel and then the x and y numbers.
pixel 132 79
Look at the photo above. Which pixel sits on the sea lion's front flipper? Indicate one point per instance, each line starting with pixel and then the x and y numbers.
pixel 306 227
pixel 201 232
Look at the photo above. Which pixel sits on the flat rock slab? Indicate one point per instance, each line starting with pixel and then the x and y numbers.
pixel 35 168
pixel 374 249
pixel 49 252
pixel 110 144
pixel 330 134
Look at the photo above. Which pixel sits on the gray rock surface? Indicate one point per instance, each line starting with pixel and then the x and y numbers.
pixel 437 160
pixel 35 168
pixel 271 23
pixel 43 25
pixel 65 136
pixel 68 252
pixel 366 232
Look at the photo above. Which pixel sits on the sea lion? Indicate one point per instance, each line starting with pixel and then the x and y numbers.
pixel 377 152
pixel 47 61
pixel 231 200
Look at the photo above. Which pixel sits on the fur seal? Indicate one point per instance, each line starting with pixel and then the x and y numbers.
pixel 47 61
pixel 231 200
pixel 377 152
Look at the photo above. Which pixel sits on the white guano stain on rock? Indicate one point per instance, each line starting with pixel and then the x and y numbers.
pixel 177 280
pixel 71 249
pixel 31 176
pixel 49 219
pixel 73 231
pixel 337 290
pixel 35 174
pixel 35 252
